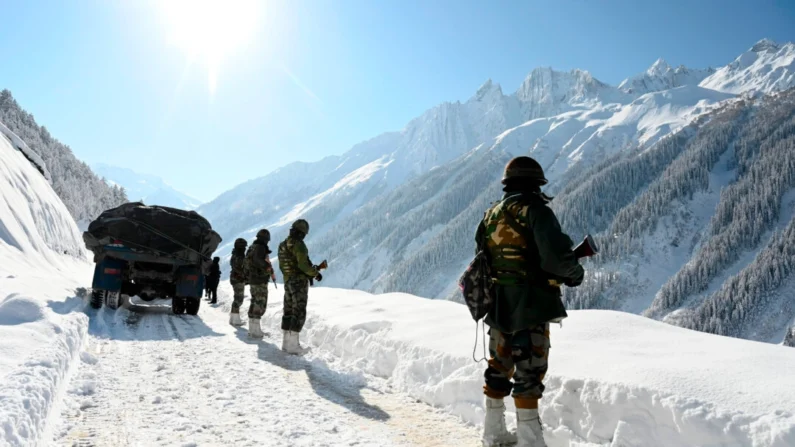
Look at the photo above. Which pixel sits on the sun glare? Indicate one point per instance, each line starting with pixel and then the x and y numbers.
pixel 208 30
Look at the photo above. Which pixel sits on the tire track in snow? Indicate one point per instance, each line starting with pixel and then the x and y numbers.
pixel 161 379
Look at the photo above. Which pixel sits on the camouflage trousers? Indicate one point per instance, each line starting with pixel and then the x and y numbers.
pixel 259 300
pixel 239 290
pixel 296 294
pixel 518 364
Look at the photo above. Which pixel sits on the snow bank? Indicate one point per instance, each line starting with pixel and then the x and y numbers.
pixel 35 226
pixel 41 264
pixel 616 379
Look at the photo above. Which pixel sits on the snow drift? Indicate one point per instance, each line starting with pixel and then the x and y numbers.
pixel 41 262
pixel 616 379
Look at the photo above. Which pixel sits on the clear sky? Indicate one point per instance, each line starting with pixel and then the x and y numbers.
pixel 208 97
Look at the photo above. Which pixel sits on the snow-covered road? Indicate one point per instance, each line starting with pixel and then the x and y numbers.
pixel 147 377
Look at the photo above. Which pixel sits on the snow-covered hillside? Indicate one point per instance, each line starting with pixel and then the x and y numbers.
pixel 150 189
pixel 42 261
pixel 83 192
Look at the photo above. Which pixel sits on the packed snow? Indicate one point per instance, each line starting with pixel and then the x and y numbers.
pixel 398 370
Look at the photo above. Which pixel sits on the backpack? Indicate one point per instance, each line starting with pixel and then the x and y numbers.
pixel 477 285
pixel 477 281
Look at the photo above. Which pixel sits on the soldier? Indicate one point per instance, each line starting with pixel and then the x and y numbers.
pixel 214 278
pixel 530 258
pixel 297 270
pixel 238 279
pixel 260 271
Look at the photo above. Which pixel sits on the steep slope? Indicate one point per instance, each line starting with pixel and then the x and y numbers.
pixel 147 188
pixel 417 238
pixel 35 226
pixel 766 67
pixel 42 261
pixel 84 194
pixel 660 76
pixel 689 228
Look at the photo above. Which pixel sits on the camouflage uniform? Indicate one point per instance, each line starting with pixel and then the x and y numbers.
pixel 527 273
pixel 297 270
pixel 237 278
pixel 260 272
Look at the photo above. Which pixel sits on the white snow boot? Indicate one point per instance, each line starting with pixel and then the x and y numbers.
pixel 234 319
pixel 528 428
pixel 286 341
pixel 294 346
pixel 254 329
pixel 495 433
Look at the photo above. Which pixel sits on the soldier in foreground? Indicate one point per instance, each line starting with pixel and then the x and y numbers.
pixel 530 258
pixel 260 272
pixel 298 271
pixel 238 278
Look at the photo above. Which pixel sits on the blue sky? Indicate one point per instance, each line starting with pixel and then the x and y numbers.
pixel 310 78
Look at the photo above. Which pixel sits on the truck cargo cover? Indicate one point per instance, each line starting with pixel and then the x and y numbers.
pixel 157 230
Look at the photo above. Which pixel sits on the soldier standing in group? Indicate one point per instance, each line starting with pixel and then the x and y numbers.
pixel 530 258
pixel 260 271
pixel 214 279
pixel 297 270
pixel 238 278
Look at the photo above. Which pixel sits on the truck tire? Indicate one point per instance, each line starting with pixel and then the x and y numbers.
pixel 178 305
pixel 97 298
pixel 192 305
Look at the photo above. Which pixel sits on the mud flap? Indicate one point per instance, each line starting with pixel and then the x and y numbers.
pixel 190 282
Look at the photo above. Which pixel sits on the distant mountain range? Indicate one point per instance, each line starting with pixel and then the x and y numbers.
pixel 147 188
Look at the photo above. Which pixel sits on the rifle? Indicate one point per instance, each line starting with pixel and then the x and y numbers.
pixel 584 249
pixel 322 266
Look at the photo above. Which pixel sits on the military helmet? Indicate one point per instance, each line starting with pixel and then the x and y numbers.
pixel 264 234
pixel 524 168
pixel 240 243
pixel 301 225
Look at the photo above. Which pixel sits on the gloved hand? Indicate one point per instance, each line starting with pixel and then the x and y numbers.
pixel 319 277
pixel 573 282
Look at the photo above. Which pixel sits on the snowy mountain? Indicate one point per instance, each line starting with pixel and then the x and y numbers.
pixel 766 67
pixel 397 213
pixel 660 76
pixel 147 188
pixel 83 192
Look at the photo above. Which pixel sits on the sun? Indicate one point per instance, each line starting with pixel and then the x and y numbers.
pixel 209 30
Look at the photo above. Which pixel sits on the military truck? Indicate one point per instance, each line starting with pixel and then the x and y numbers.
pixel 152 252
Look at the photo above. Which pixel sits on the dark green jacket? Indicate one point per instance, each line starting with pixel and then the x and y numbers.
pixel 258 263
pixel 294 260
pixel 523 266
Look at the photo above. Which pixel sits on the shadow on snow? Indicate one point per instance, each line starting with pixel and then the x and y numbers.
pixel 339 388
